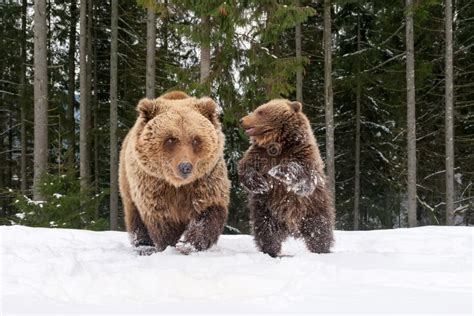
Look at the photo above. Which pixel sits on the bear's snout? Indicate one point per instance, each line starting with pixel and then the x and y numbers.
pixel 185 169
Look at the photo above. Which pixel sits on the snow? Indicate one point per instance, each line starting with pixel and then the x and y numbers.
pixel 421 270
pixel 295 178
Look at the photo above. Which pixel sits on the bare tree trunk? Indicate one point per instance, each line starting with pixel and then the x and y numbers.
pixel 40 95
pixel 89 40
pixel 411 117
pixel 448 15
pixel 3 157
pixel 150 51
pixel 299 72
pixel 10 150
pixel 84 99
pixel 328 98
pixel 70 154
pixel 113 120
pixel 205 52
pixel 95 105
pixel 357 139
pixel 165 29
pixel 23 98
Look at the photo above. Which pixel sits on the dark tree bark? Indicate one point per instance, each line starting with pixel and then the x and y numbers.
pixel 205 52
pixel 299 73
pixel 357 139
pixel 23 100
pixel 165 29
pixel 449 134
pixel 40 95
pixel 84 99
pixel 411 117
pixel 113 120
pixel 328 98
pixel 95 111
pixel 71 133
pixel 150 51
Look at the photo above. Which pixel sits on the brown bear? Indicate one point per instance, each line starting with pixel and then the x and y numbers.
pixel 173 177
pixel 284 175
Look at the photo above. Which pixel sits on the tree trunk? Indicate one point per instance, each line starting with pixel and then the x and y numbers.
pixel 95 105
pixel 357 138
pixel 165 30
pixel 328 100
pixel 411 117
pixel 299 72
pixel 150 51
pixel 70 154
pixel 40 96
pixel 84 99
pixel 89 70
pixel 23 101
pixel 10 150
pixel 113 120
pixel 448 15
pixel 205 53
pixel 3 157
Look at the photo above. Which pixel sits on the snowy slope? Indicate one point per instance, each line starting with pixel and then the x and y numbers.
pixel 422 270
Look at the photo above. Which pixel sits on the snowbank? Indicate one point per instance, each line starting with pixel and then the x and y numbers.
pixel 422 270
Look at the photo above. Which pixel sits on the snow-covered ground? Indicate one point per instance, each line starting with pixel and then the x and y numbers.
pixel 422 270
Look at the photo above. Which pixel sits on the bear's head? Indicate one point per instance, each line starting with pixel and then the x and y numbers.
pixel 178 138
pixel 278 121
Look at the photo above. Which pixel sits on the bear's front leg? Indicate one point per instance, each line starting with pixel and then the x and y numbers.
pixel 203 231
pixel 138 232
pixel 269 233
pixel 254 182
pixel 162 234
pixel 296 177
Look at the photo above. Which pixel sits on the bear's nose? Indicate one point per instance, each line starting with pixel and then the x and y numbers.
pixel 185 168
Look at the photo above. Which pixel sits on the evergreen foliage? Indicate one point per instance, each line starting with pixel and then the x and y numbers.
pixel 65 205
pixel 252 60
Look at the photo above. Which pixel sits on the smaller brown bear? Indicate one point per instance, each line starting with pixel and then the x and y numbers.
pixel 173 177
pixel 284 175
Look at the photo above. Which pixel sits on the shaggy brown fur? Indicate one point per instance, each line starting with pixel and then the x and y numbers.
pixel 173 178
pixel 284 175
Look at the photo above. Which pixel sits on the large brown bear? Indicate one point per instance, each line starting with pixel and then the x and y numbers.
pixel 284 175
pixel 173 178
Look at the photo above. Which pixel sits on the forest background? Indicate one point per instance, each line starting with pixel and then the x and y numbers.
pixel 387 85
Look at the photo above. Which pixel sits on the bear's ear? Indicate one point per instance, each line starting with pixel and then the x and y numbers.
pixel 296 106
pixel 207 107
pixel 147 109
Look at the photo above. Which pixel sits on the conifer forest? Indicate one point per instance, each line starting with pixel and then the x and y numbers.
pixel 388 87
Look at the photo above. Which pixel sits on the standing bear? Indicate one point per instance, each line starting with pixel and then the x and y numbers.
pixel 173 178
pixel 284 175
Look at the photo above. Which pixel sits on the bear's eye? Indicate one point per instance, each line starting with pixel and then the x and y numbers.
pixel 170 141
pixel 260 112
pixel 197 142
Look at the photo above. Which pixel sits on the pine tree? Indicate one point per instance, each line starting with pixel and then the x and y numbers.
pixel 299 73
pixel 449 112
pixel 205 52
pixel 150 49
pixel 411 120
pixel 41 97
pixel 328 97
pixel 113 119
pixel 357 136
pixel 71 150
pixel 23 98
pixel 84 149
